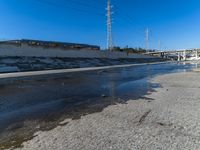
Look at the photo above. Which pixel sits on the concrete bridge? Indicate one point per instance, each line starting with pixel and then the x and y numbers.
pixel 185 54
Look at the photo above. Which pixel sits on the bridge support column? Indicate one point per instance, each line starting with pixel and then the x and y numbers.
pixel 162 55
pixel 197 56
pixel 179 56
pixel 184 55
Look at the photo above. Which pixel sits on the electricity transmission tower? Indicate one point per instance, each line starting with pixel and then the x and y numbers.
pixel 147 39
pixel 109 26
pixel 159 45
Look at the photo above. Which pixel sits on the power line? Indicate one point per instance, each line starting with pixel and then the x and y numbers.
pixel 85 9
pixel 88 4
pixel 127 17
pixel 70 7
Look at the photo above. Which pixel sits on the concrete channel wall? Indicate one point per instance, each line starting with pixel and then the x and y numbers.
pixel 28 51
pixel 26 58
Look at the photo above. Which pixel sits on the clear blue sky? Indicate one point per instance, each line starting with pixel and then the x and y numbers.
pixel 175 22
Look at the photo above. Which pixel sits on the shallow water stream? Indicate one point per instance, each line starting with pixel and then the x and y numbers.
pixel 42 103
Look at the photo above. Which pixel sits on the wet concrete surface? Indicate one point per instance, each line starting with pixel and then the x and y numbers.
pixel 42 103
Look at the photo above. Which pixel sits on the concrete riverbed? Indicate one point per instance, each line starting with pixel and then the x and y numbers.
pixel 141 107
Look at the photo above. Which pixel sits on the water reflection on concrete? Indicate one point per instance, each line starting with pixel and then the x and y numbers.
pixel 40 104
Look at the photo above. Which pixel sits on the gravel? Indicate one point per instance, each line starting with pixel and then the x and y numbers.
pixel 169 121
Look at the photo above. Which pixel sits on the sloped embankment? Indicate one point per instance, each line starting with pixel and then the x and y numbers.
pixel 16 64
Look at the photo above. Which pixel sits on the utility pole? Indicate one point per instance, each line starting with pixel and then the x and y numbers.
pixel 147 39
pixel 109 26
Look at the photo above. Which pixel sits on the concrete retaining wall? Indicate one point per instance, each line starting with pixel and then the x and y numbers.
pixel 27 51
